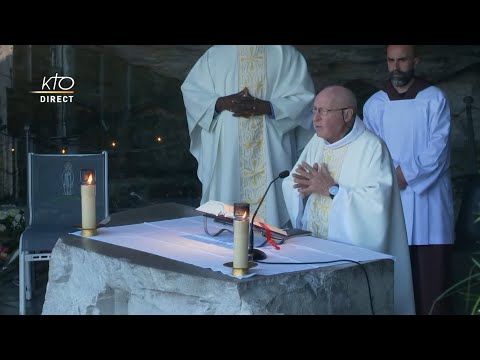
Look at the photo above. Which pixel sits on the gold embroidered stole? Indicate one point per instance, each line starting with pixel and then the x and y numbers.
pixel 253 175
pixel 319 208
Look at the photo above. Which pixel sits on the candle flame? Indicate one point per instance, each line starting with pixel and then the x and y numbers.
pixel 244 215
pixel 90 179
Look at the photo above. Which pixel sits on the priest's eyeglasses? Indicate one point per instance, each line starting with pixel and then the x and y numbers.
pixel 324 112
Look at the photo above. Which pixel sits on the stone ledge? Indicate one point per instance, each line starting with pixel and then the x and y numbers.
pixel 83 282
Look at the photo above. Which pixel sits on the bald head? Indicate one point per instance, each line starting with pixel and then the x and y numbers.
pixel 410 50
pixel 334 111
pixel 339 97
pixel 401 62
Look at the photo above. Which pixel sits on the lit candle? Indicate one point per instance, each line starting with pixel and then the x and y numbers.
pixel 240 236
pixel 88 190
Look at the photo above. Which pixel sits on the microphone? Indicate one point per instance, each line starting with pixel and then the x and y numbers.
pixel 255 254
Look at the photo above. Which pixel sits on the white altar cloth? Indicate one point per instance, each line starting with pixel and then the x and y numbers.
pixel 184 240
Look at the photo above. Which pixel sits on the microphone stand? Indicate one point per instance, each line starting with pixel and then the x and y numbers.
pixel 255 254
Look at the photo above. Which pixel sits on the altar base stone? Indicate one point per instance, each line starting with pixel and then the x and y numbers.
pixel 86 282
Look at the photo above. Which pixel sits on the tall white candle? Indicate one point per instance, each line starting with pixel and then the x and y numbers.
pixel 240 244
pixel 88 206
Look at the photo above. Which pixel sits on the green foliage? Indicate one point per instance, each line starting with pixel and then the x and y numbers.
pixel 468 288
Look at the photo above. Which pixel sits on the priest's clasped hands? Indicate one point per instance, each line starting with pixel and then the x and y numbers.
pixel 314 179
pixel 243 104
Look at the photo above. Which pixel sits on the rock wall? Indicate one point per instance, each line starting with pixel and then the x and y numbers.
pixel 130 95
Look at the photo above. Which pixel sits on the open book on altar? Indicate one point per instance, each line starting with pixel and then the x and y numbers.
pixel 223 213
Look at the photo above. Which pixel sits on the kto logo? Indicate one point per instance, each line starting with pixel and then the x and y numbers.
pixel 56 89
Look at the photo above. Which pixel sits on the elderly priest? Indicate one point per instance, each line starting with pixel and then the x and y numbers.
pixel 343 188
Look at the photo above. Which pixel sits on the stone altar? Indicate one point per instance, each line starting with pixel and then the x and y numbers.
pixel 91 277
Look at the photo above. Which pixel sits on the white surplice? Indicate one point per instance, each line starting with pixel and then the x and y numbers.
pixel 416 132
pixel 238 157
pixel 367 210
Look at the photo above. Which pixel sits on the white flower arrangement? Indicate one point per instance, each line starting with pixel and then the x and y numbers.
pixel 12 224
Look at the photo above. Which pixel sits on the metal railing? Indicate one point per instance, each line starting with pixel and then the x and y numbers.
pixel 469 132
